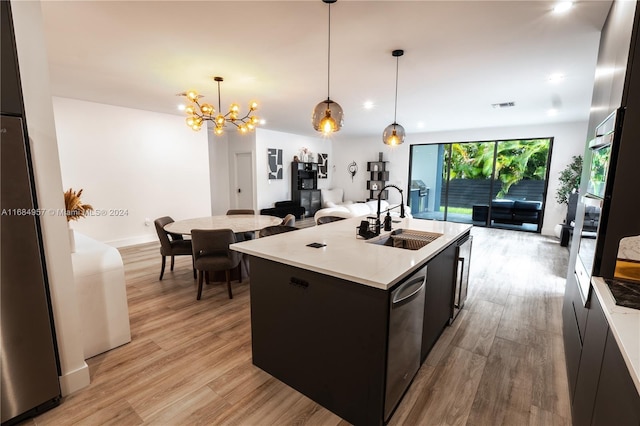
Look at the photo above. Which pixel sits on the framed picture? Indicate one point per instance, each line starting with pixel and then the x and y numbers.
pixel 323 166
pixel 274 158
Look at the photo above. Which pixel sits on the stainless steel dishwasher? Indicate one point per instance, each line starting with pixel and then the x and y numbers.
pixel 463 256
pixel 405 337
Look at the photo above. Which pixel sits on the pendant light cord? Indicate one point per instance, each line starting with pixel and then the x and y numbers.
pixel 219 107
pixel 329 55
pixel 395 110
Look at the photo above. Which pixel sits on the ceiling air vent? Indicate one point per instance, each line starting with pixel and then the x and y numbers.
pixel 504 105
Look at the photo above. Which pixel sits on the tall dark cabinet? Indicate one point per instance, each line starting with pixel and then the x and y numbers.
pixel 584 328
pixel 304 186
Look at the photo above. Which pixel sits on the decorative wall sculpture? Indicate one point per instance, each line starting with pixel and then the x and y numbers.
pixel 323 166
pixel 274 157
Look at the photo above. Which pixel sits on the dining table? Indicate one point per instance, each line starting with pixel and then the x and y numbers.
pixel 238 223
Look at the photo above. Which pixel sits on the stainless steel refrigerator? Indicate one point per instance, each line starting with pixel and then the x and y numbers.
pixel 29 367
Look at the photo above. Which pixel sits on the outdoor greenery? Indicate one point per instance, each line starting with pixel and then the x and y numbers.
pixel 569 179
pixel 457 210
pixel 515 160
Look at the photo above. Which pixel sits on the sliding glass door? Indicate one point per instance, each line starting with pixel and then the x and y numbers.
pixel 491 183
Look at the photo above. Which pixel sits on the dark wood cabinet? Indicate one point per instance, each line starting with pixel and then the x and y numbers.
pixel 604 392
pixel 328 337
pixel 438 298
pixel 321 335
pixel 595 337
pixel 617 401
pixel 574 320
pixel 378 177
pixel 304 186
pixel 310 200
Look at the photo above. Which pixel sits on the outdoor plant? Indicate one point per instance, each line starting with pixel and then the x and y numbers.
pixel 74 208
pixel 569 180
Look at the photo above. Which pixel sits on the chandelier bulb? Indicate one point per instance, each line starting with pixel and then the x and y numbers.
pixel 192 95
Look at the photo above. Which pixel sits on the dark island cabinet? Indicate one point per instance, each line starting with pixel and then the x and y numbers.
pixel 438 298
pixel 328 338
pixel 323 336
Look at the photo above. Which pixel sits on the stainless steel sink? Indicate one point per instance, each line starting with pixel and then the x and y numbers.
pixel 407 239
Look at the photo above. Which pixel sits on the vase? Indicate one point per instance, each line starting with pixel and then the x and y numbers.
pixel 72 240
pixel 557 230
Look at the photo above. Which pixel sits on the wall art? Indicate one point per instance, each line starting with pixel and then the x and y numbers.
pixel 323 166
pixel 274 158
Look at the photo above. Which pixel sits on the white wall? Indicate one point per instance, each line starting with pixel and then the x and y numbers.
pixel 362 150
pixel 34 74
pixel 569 140
pixel 270 191
pixel 144 163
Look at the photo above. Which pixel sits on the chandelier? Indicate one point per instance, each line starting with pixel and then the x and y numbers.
pixel 394 133
pixel 327 115
pixel 199 112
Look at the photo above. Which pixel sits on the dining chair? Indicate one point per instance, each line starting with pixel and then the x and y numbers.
pixel 240 211
pixel 289 220
pixel 326 219
pixel 171 244
pixel 242 236
pixel 275 229
pixel 211 253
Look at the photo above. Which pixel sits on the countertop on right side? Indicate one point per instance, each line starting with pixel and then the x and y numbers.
pixel 625 325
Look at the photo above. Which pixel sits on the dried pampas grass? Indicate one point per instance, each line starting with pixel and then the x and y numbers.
pixel 73 205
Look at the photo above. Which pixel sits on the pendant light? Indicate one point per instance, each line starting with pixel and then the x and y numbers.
pixel 327 115
pixel 394 133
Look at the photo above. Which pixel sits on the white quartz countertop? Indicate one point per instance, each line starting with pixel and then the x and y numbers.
pixel 625 326
pixel 350 258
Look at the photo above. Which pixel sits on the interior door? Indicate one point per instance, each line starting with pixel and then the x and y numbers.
pixel 244 181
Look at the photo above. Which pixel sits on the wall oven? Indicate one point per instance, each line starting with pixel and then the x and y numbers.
pixel 590 209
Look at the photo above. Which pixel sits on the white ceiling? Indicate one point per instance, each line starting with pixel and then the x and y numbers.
pixel 460 57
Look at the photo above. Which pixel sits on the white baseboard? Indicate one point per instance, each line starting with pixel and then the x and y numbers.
pixel 132 241
pixel 75 380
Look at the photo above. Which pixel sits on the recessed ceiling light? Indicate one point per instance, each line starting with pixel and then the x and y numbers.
pixel 504 105
pixel 562 6
pixel 420 125
pixel 556 77
pixel 181 107
pixel 368 105
pixel 552 112
pixel 263 122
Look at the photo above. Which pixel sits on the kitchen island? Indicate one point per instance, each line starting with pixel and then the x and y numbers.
pixel 321 317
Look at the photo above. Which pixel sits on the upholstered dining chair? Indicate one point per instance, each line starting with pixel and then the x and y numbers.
pixel 211 253
pixel 289 220
pixel 171 244
pixel 275 229
pixel 240 211
pixel 326 219
pixel 242 236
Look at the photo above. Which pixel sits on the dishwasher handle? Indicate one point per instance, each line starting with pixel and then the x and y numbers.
pixel 396 303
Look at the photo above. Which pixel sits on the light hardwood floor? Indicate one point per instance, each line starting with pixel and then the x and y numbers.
pixel 189 362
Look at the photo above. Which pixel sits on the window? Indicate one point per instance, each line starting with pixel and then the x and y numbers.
pixel 491 183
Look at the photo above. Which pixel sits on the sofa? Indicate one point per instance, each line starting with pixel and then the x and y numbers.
pixel 514 212
pixel 334 205
pixel 283 208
